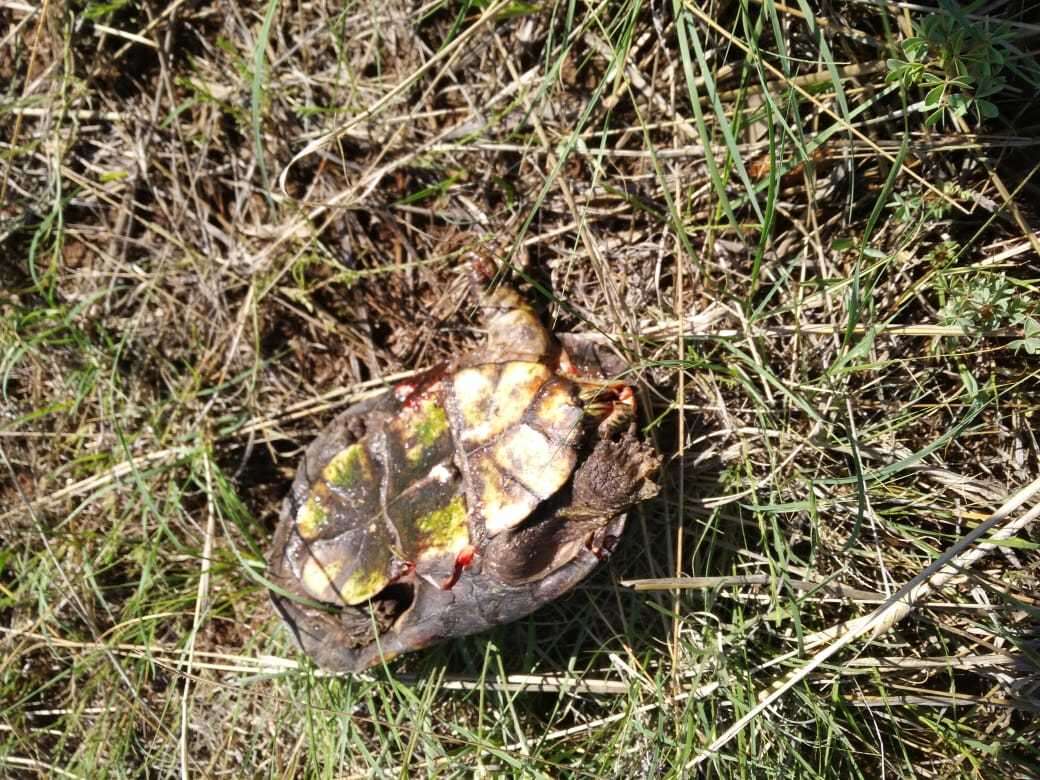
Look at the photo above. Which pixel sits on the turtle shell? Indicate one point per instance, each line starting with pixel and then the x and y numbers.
pixel 445 463
pixel 461 501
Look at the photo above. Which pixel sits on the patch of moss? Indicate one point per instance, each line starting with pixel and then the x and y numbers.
pixel 349 468
pixel 363 584
pixel 445 527
pixel 311 518
pixel 431 425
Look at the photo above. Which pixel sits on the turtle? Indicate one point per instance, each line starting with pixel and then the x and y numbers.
pixel 462 499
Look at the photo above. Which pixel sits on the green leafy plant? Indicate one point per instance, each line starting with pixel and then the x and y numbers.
pixel 1031 341
pixel 959 61
pixel 914 205
pixel 988 301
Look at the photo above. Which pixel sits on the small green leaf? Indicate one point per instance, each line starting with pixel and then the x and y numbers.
pixel 986 109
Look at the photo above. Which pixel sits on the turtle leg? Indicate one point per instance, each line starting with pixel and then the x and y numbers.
pixel 535 551
pixel 616 475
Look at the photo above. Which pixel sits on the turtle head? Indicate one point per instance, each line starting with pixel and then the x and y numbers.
pixel 514 331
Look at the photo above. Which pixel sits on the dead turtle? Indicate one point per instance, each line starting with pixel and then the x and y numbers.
pixel 461 500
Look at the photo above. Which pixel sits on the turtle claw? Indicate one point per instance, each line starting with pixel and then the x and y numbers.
pixel 614 405
pixel 462 560
pixel 603 550
pixel 622 412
